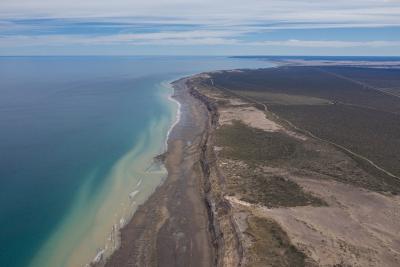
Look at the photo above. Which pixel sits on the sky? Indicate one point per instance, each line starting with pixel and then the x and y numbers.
pixel 200 27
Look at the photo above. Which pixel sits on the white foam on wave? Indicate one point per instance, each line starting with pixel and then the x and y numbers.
pixel 133 194
pixel 139 182
pixel 121 222
pixel 99 256
pixel 178 112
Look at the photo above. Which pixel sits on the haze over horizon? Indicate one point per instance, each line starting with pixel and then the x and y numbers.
pixel 177 27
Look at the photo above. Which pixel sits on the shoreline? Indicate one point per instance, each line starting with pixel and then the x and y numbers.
pixel 104 253
pixel 131 196
pixel 80 222
pixel 184 221
pixel 177 117
pixel 175 214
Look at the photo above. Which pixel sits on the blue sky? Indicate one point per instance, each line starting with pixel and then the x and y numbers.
pixel 194 27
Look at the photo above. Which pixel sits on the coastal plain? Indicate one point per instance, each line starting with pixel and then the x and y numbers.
pixel 284 166
pixel 308 176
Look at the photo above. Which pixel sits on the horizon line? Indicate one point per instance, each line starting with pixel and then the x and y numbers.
pixel 149 55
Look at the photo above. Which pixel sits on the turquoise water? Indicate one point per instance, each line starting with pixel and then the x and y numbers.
pixel 77 137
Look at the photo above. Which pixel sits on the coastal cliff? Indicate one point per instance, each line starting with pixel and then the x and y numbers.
pixel 246 187
pixel 226 241
pixel 279 195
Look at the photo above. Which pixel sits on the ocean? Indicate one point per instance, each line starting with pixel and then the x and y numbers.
pixel 77 141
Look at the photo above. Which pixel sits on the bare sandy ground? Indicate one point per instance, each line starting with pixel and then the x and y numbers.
pixel 239 109
pixel 248 115
pixel 358 228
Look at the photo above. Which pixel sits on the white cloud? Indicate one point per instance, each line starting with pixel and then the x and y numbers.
pixel 327 44
pixel 217 22
pixel 163 38
pixel 179 39
pixel 215 12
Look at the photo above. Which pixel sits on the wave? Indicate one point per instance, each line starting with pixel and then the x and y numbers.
pixel 178 112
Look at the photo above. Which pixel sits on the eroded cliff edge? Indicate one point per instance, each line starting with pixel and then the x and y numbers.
pixel 280 197
pixel 248 188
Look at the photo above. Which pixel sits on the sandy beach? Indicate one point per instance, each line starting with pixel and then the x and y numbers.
pixel 171 228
